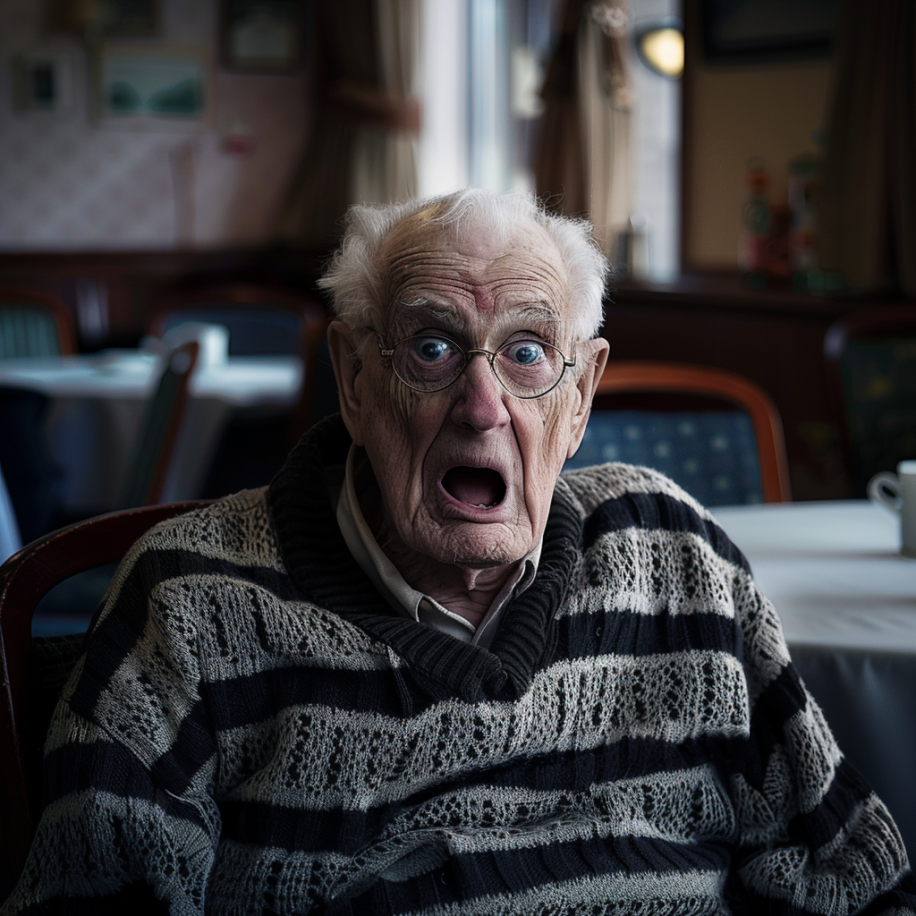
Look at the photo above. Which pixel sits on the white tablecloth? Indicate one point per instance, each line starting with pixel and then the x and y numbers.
pixel 847 600
pixel 98 401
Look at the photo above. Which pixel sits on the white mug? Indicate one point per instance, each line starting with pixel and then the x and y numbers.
pixel 898 493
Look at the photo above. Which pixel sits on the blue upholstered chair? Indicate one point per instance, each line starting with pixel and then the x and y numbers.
pixel 716 434
pixel 871 362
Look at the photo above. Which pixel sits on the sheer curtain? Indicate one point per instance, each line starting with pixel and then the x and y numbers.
pixel 868 205
pixel 583 158
pixel 363 143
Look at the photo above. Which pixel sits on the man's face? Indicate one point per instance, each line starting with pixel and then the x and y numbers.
pixel 466 474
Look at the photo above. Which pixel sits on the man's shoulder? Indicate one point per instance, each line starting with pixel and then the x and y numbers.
pixel 594 486
pixel 615 498
pixel 233 527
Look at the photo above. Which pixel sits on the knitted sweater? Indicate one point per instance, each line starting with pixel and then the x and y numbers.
pixel 251 730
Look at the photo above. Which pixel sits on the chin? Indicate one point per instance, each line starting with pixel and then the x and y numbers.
pixel 468 544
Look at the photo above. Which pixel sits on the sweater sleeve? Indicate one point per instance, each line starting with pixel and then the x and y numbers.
pixel 129 815
pixel 813 837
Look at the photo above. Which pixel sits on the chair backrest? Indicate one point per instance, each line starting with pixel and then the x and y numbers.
pixel 34 324
pixel 24 708
pixel 715 433
pixel 871 362
pixel 262 320
pixel 152 452
pixel 9 528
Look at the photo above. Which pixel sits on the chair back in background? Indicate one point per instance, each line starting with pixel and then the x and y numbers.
pixel 262 320
pixel 871 360
pixel 34 671
pixel 152 453
pixel 34 324
pixel 716 434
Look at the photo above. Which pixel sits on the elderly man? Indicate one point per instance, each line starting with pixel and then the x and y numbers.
pixel 422 672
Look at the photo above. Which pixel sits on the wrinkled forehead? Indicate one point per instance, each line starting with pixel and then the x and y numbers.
pixel 472 272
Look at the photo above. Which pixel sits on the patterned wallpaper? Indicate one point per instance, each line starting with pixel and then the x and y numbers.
pixel 70 182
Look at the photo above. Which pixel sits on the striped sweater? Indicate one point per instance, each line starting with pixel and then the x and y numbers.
pixel 251 730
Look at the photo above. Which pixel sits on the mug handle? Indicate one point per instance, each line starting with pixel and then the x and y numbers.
pixel 884 490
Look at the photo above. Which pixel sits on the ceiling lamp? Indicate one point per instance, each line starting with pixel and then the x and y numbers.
pixel 660 46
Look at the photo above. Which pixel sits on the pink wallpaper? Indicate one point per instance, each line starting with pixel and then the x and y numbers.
pixel 70 182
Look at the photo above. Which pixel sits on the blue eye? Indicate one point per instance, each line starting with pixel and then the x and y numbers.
pixel 525 352
pixel 431 349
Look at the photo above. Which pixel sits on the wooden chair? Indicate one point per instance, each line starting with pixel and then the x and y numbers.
pixel 154 448
pixel 637 399
pixel 34 324
pixel 870 357
pixel 34 671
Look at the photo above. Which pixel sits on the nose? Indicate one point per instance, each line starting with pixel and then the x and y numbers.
pixel 480 402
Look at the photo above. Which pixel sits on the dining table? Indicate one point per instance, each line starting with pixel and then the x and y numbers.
pixel 847 601
pixel 96 405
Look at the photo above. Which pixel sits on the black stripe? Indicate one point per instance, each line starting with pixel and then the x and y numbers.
pixel 659 512
pixel 628 633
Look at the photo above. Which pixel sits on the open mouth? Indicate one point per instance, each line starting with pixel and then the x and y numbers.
pixel 482 488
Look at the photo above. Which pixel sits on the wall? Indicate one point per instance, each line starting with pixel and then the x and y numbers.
pixel 69 182
pixel 732 113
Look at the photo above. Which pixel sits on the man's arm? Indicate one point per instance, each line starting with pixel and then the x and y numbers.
pixel 814 837
pixel 112 834
pixel 129 761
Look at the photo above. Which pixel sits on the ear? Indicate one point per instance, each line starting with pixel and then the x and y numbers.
pixel 596 353
pixel 347 368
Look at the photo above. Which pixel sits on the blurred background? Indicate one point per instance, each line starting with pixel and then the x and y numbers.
pixel 746 163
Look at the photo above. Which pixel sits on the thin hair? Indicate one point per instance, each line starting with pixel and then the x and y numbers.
pixel 357 276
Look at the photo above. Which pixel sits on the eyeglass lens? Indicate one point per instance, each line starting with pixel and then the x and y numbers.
pixel 525 367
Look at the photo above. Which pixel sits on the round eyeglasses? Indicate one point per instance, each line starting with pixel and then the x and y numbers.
pixel 429 362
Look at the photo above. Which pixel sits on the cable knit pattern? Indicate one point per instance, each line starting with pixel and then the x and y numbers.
pixel 252 731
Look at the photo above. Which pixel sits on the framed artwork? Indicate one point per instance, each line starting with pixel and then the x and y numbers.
pixel 735 30
pixel 42 81
pixel 127 18
pixel 261 36
pixel 152 84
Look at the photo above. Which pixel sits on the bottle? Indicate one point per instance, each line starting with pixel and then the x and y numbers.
pixel 804 175
pixel 756 222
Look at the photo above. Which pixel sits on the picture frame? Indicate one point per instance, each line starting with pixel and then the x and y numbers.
pixel 261 36
pixel 760 30
pixel 42 81
pixel 152 84
pixel 127 18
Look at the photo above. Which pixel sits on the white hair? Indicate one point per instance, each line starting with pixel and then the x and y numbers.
pixel 356 276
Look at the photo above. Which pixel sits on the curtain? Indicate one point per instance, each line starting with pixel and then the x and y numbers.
pixel 362 145
pixel 583 159
pixel 868 200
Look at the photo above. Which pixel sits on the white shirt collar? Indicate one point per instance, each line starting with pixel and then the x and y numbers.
pixel 392 586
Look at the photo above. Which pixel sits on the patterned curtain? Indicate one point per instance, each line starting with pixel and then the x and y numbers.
pixel 868 205
pixel 362 143
pixel 583 158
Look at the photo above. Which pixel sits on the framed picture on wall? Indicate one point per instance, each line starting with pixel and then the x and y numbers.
pixel 42 81
pixel 736 30
pixel 152 84
pixel 116 18
pixel 261 36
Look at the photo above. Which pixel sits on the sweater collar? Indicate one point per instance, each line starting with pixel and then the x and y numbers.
pixel 323 569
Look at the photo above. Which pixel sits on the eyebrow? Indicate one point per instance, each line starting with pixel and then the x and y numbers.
pixel 537 314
